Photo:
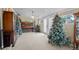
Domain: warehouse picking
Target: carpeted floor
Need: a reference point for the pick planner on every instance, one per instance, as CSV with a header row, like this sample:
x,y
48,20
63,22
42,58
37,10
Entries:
x,y
34,41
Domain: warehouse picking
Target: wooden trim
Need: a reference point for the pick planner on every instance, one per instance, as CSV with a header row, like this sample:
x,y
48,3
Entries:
x,y
74,31
76,42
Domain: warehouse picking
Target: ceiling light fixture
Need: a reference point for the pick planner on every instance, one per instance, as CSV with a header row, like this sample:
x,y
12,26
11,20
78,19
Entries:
x,y
32,14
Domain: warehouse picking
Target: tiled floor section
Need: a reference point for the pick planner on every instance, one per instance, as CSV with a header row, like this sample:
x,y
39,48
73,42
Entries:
x,y
34,41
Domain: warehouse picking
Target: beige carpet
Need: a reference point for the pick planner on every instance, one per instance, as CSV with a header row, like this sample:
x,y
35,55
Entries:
x,y
34,41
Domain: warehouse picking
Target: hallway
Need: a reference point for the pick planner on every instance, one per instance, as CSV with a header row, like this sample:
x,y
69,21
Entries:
x,y
32,23
34,41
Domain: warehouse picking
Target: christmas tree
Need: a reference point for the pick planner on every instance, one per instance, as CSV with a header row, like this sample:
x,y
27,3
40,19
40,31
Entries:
x,y
37,29
57,35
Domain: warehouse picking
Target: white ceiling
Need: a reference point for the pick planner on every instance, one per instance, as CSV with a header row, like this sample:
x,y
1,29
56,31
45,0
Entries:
x,y
38,12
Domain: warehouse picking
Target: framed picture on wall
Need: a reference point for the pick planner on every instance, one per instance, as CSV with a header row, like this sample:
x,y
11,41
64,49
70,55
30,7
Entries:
x,y
68,18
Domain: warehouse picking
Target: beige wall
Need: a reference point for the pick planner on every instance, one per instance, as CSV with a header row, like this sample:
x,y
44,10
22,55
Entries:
x,y
24,18
69,29
27,19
